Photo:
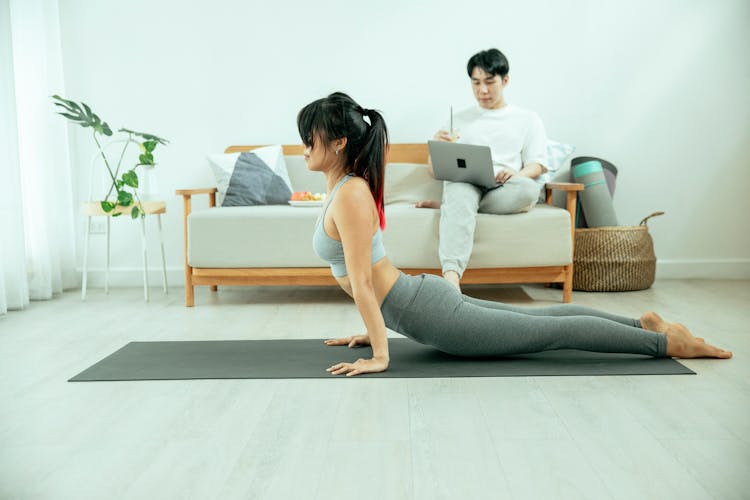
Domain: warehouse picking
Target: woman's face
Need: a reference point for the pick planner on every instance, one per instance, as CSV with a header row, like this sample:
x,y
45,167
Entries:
x,y
316,156
323,156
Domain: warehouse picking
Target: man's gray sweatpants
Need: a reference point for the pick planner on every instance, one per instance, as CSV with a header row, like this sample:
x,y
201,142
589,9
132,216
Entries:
x,y
458,214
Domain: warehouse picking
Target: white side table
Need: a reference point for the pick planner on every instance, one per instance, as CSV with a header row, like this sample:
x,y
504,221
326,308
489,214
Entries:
x,y
93,209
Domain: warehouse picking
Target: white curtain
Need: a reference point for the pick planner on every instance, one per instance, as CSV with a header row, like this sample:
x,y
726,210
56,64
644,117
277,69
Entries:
x,y
37,253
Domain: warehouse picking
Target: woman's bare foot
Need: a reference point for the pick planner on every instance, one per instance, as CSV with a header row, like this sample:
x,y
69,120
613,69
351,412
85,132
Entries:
x,y
453,279
428,204
682,344
653,322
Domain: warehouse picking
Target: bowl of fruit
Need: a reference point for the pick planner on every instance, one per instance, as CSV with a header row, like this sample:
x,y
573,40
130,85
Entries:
x,y
307,199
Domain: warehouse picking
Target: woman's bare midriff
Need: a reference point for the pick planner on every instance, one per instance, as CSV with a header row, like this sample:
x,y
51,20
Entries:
x,y
384,275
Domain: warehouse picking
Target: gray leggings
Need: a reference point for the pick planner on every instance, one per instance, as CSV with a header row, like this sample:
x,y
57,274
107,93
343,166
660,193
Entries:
x,y
429,310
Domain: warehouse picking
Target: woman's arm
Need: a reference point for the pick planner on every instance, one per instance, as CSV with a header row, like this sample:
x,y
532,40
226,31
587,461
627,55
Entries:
x,y
356,218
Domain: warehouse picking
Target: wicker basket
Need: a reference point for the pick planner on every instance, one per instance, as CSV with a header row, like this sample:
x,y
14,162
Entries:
x,y
614,259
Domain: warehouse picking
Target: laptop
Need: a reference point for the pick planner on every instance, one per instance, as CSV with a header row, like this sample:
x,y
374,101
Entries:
x,y
462,163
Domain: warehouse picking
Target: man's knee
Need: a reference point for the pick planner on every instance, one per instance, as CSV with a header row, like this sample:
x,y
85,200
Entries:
x,y
519,194
528,194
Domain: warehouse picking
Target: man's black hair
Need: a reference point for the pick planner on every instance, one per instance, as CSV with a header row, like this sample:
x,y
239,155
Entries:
x,y
492,61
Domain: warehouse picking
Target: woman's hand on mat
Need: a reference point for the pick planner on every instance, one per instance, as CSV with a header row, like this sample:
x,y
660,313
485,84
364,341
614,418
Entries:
x,y
503,175
351,341
373,365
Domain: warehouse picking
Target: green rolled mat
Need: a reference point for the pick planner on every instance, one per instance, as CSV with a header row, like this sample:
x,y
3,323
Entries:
x,y
596,201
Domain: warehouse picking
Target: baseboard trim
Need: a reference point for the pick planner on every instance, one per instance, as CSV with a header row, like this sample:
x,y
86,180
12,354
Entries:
x,y
133,276
703,269
665,269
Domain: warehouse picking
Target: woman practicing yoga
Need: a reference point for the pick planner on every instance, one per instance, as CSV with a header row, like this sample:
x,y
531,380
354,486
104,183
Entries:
x,y
348,143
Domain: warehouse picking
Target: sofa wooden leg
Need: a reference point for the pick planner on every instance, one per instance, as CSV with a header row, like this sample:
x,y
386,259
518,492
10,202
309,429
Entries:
x,y
568,286
567,293
189,288
214,288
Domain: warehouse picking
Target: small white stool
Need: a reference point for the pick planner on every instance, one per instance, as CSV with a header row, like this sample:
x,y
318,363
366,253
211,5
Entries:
x,y
94,209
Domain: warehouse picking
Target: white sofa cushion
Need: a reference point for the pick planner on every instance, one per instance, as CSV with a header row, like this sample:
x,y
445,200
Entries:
x,y
540,237
260,236
408,183
404,182
281,236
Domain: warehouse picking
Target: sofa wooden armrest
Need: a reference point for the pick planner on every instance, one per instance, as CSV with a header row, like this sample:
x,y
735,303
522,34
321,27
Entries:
x,y
563,186
190,192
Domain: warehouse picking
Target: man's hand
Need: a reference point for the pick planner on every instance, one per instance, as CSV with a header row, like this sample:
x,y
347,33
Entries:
x,y
504,174
360,366
445,136
351,341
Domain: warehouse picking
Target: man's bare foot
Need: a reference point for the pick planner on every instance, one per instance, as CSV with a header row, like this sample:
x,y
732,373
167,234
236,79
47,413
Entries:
x,y
453,279
682,344
653,322
428,204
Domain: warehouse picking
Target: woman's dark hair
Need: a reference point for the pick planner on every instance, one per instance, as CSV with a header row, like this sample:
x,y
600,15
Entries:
x,y
338,116
492,61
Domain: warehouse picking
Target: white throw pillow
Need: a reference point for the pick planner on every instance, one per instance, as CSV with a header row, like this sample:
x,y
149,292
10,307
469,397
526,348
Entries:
x,y
223,164
557,154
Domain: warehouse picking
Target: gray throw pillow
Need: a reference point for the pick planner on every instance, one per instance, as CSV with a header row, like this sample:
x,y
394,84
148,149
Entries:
x,y
254,183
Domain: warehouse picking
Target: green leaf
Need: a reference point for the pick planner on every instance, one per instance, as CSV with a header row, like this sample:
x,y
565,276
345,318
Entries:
x,y
146,159
116,214
69,116
150,145
124,198
148,137
134,213
130,178
88,111
82,115
107,206
70,105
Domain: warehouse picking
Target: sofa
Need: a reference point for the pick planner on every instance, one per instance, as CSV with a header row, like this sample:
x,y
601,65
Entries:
x,y
271,245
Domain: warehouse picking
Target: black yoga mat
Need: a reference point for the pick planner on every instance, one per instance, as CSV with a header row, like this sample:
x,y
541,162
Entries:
x,y
267,359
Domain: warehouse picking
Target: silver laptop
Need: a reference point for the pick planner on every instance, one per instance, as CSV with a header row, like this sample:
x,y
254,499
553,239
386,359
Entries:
x,y
462,163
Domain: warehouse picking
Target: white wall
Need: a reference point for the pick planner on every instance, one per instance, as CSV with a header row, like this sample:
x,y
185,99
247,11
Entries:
x,y
658,88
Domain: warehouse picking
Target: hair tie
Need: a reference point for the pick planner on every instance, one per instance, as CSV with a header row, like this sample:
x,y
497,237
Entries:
x,y
367,116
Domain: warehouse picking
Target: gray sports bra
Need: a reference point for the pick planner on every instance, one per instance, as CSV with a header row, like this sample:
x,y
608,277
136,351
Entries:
x,y
332,251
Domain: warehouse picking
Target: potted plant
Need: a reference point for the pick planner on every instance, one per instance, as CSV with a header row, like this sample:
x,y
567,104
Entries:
x,y
126,185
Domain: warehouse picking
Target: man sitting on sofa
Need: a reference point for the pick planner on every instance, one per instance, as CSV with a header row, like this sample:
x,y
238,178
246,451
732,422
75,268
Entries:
x,y
517,143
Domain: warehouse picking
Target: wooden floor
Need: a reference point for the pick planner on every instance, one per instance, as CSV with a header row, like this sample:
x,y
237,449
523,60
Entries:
x,y
629,437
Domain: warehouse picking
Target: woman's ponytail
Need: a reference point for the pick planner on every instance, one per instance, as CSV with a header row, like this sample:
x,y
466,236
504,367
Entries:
x,y
370,162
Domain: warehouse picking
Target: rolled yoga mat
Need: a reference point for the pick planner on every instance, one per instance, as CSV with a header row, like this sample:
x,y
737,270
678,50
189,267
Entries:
x,y
610,174
596,201
283,359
